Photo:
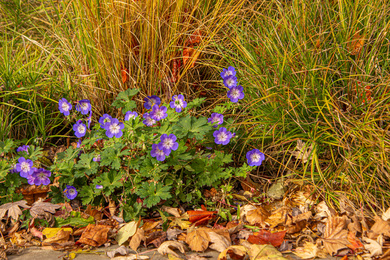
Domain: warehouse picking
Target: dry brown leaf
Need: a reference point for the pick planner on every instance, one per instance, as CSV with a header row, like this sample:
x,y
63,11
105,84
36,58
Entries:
x,y
39,208
245,209
172,233
165,248
150,224
309,250
13,209
198,240
131,257
373,246
173,211
219,242
136,239
238,251
257,216
264,252
356,44
336,235
355,226
386,215
36,233
303,151
190,55
322,211
380,227
94,235
156,238
181,222
122,250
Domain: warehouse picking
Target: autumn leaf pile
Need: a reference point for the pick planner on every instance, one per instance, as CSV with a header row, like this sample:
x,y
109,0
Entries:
x,y
296,224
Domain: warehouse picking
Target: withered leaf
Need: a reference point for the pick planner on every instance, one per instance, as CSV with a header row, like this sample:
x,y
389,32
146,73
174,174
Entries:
x,y
61,236
309,250
39,208
336,235
167,246
136,239
94,235
198,240
172,233
235,252
373,246
219,242
354,242
303,151
13,209
380,227
260,252
122,250
257,216
156,238
173,211
265,237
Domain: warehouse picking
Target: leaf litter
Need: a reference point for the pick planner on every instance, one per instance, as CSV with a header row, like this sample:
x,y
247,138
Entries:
x,y
269,227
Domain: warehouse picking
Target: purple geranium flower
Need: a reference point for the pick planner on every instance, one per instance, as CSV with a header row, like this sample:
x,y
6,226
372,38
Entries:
x,y
230,81
23,148
130,115
31,179
99,187
255,157
96,158
70,192
216,118
41,176
105,119
222,136
114,128
236,93
178,103
148,120
79,129
168,143
150,101
228,72
64,106
24,167
156,152
158,113
84,106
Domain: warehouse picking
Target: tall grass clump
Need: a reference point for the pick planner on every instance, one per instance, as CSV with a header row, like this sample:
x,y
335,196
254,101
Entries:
x,y
317,75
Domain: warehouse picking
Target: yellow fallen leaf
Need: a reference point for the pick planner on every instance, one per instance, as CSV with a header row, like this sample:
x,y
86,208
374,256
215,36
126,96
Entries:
x,y
167,246
126,232
51,232
198,240
235,250
264,252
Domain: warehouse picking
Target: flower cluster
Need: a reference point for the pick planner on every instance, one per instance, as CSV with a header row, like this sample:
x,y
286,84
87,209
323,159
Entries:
x,y
236,92
164,148
112,126
32,174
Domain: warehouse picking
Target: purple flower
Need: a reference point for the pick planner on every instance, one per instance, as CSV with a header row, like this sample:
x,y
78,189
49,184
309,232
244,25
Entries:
x,y
70,192
150,101
79,129
156,152
114,128
216,118
168,143
228,72
230,81
255,157
96,158
158,113
24,167
222,136
41,176
64,106
31,179
99,187
84,106
105,119
148,120
13,170
130,115
178,103
23,148
236,93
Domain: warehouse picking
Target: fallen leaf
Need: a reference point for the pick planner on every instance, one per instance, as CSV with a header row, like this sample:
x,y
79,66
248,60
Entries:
x,y
303,151
131,257
257,216
167,246
356,44
264,252
126,232
150,224
137,238
194,39
36,233
386,215
122,250
60,237
196,215
173,211
380,227
276,191
51,232
309,250
235,252
13,209
265,237
156,238
94,235
218,242
373,246
172,233
198,240
39,208
124,74
354,242
336,235
322,211
190,55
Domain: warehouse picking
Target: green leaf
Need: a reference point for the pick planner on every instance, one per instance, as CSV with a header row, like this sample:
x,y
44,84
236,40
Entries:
x,y
153,193
75,220
6,146
192,127
123,100
86,164
195,103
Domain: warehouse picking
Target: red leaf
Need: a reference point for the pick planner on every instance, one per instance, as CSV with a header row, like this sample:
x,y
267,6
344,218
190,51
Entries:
x,y
125,75
196,215
355,242
265,237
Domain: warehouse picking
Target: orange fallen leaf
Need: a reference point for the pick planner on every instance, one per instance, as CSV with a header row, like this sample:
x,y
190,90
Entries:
x,y
198,240
200,216
356,44
125,75
194,39
265,237
354,242
190,55
257,216
94,235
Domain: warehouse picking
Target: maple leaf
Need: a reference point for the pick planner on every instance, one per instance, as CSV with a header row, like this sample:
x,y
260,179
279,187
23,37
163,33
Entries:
x,y
336,235
39,208
219,242
380,227
13,209
373,246
165,248
198,240
309,250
